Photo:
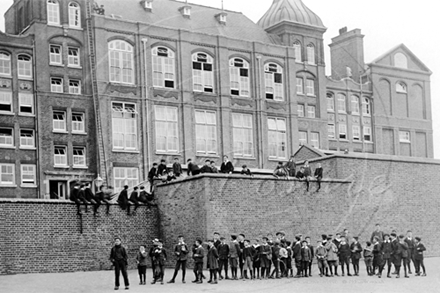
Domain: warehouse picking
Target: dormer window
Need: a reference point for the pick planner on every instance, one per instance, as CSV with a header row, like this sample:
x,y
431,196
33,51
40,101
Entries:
x,y
186,11
148,5
221,17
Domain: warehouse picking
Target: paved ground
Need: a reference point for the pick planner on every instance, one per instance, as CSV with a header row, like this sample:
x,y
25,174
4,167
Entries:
x,y
102,281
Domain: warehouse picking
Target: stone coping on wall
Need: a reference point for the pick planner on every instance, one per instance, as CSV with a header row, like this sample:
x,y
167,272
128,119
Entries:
x,y
247,177
39,201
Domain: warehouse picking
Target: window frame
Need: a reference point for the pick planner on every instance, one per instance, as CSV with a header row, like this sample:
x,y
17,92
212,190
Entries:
x,y
311,57
71,57
56,88
6,99
125,111
315,139
297,47
310,87
299,86
75,13
76,122
159,61
126,180
7,138
209,141
27,139
367,133
273,73
75,90
24,66
311,114
53,4
11,183
205,74
54,56
404,136
22,104
355,105
60,122
330,101
302,137
171,125
32,173
366,106
301,110
63,157
279,132
401,87
82,157
6,63
118,73
342,101
356,132
239,70
240,138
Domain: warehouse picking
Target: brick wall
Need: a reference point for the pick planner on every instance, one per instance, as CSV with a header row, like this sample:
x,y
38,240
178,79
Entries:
x,y
44,236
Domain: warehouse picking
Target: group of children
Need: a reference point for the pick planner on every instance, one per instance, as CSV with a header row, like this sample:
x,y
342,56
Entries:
x,y
275,258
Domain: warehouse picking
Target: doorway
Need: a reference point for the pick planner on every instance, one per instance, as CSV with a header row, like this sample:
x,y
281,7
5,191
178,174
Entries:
x,y
58,190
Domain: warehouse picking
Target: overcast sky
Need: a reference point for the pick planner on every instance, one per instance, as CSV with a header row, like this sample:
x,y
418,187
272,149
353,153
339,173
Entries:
x,y
385,24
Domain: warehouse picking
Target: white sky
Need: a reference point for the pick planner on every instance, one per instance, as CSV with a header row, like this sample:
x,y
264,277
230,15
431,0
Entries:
x,y
385,24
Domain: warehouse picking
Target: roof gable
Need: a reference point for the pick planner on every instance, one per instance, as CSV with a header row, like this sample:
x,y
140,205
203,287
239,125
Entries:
x,y
389,59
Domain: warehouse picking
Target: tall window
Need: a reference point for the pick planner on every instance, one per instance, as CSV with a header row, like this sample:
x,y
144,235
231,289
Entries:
x,y
79,157
330,103
314,139
59,121
311,54
73,57
167,129
26,103
5,63
203,75
121,62
60,156
27,139
311,111
310,87
239,74
242,135
342,126
78,123
74,15
277,138
356,132
53,12
206,132
24,64
28,175
125,176
331,129
163,67
367,133
7,174
274,82
74,87
124,122
298,53
302,137
366,107
6,137
55,54
56,85
5,102
299,86
300,110
341,103
355,105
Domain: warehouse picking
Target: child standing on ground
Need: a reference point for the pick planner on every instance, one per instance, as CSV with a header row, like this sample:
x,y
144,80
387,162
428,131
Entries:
x,y
368,258
419,248
141,259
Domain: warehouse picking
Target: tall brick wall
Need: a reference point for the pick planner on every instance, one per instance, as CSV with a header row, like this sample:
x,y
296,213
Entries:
x,y
44,236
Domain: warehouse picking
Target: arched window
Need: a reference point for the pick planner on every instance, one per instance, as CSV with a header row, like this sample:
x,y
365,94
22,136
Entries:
x,y
298,53
74,15
163,67
401,87
53,12
342,103
5,63
121,62
239,75
311,54
330,102
273,76
355,105
400,60
24,65
203,75
366,106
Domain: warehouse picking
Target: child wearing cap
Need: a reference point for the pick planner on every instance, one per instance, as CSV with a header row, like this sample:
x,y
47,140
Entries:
x,y
419,248
332,254
356,250
312,251
321,256
223,254
159,256
377,256
141,260
198,255
119,258
181,252
368,258
265,258
256,261
212,262
344,254
248,258
306,257
387,251
234,252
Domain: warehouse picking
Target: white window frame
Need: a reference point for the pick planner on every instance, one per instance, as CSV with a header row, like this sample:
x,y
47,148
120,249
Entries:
x,y
310,87
74,15
242,133
6,100
314,139
7,170
59,125
28,175
60,156
311,58
124,126
5,64
331,130
301,110
342,103
5,139
330,103
300,86
27,141
239,77
56,85
53,12
277,134
206,132
78,125
24,67
355,105
311,111
401,87
404,136
164,67
74,86
366,106
342,131
298,51
121,62
73,57
55,54
167,129
203,72
356,132
125,176
79,157
274,83
302,137
367,133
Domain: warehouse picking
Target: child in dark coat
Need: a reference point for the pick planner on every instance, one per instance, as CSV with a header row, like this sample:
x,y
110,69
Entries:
x,y
141,259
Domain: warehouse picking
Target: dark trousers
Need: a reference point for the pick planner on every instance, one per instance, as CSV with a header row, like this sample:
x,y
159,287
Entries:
x,y
355,262
121,267
107,203
223,264
158,272
276,268
198,270
319,183
96,204
78,203
419,263
345,261
180,264
142,270
305,267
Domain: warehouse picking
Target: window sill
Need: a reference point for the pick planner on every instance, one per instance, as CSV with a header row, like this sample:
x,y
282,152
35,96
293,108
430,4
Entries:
x,y
311,96
28,78
168,153
10,147
80,167
204,93
28,186
344,140
57,92
56,64
207,155
6,75
245,158
276,159
125,151
300,94
408,142
74,67
77,28
61,167
26,115
311,64
79,133
368,142
7,113
7,185
60,132
28,148
54,24
115,83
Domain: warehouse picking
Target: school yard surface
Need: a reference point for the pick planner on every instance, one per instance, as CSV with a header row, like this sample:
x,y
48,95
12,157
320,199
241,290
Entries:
x,y
102,281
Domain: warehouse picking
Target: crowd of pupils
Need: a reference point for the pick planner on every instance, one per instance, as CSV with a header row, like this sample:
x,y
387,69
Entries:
x,y
276,258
